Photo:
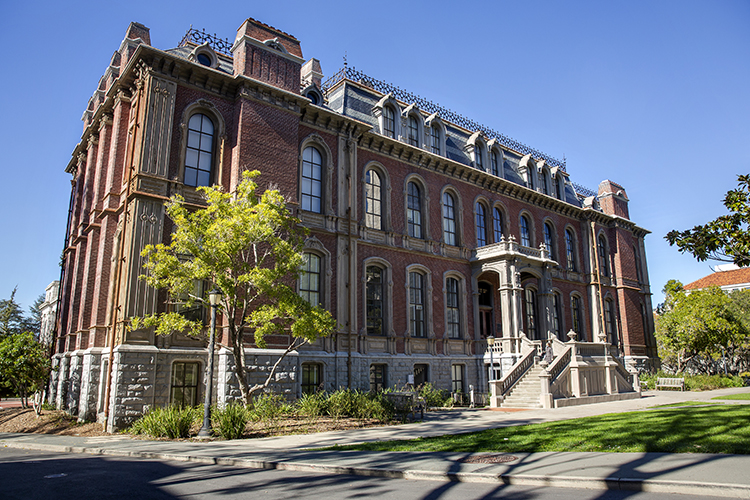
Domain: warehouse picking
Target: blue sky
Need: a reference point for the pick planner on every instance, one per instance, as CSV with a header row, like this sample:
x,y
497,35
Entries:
x,y
652,95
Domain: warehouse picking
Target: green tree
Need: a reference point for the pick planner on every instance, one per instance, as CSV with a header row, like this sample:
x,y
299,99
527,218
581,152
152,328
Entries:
x,y
696,324
24,365
250,248
726,238
12,318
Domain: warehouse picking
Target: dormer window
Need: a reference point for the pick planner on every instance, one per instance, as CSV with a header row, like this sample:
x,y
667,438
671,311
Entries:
x,y
435,136
389,122
204,59
205,56
413,131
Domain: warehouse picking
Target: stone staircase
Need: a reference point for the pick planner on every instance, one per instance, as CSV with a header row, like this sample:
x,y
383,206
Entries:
x,y
526,392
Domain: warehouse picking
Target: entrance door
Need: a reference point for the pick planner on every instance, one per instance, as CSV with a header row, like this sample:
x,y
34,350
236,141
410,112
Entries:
x,y
485,323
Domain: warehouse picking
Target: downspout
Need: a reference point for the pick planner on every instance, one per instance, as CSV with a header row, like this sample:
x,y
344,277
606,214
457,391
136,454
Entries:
x,y
349,263
598,280
120,250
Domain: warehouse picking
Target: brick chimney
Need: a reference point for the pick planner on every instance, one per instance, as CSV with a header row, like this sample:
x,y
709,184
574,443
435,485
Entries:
x,y
269,55
613,200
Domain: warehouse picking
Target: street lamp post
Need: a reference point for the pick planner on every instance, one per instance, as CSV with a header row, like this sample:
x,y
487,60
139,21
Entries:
x,y
214,297
490,343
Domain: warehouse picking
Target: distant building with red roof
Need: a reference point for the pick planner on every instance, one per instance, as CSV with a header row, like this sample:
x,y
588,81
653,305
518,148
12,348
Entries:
x,y
728,277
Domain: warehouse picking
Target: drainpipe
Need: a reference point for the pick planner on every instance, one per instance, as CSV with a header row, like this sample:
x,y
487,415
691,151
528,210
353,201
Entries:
x,y
120,250
598,279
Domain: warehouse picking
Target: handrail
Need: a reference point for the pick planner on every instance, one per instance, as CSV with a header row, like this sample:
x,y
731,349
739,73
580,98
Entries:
x,y
627,376
509,379
590,349
559,364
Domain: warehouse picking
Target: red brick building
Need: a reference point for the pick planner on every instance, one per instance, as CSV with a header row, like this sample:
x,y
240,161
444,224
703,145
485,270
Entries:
x,y
429,232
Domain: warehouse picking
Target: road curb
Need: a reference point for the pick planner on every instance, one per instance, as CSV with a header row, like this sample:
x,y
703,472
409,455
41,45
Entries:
x,y
607,483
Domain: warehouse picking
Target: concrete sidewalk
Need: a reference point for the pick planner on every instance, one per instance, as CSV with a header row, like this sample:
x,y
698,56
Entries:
x,y
702,474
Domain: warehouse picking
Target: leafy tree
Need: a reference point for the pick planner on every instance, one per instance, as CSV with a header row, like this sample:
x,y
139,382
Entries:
x,y
24,365
12,318
697,324
34,320
726,238
250,248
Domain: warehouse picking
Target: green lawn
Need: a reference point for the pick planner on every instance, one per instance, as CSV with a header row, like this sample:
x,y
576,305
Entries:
x,y
712,429
741,396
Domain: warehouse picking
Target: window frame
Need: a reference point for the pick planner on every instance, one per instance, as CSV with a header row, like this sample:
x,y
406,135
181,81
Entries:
x,y
480,224
457,382
450,224
531,310
303,275
570,250
416,303
378,371
525,231
414,210
576,316
370,286
313,181
306,385
373,200
196,385
549,239
453,316
498,219
603,251
212,155
389,119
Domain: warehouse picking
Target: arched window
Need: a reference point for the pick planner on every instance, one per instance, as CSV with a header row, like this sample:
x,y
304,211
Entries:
x,y
576,309
570,255
435,142
560,185
312,184
389,122
413,210
199,151
530,306
373,200
453,315
545,181
530,173
416,305
481,225
413,131
494,163
478,157
549,239
556,314
449,220
375,300
609,322
525,233
309,279
603,258
497,224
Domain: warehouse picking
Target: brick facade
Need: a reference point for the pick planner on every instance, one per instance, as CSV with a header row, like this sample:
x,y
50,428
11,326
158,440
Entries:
x,y
132,158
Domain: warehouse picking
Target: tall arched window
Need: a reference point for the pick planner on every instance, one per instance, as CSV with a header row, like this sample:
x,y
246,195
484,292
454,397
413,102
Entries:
x,y
570,255
559,183
416,305
312,180
435,135
530,173
478,157
453,315
576,309
481,224
413,131
549,239
556,314
309,279
389,122
449,220
413,210
497,224
494,163
609,322
603,258
373,200
525,233
375,300
530,306
545,181
199,151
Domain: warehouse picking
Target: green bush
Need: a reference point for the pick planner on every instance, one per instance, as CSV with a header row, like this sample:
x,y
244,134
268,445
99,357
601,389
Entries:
x,y
697,382
344,403
312,406
170,422
230,421
434,396
378,407
267,407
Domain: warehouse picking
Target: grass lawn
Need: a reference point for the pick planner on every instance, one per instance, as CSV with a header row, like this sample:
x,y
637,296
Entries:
x,y
698,429
743,395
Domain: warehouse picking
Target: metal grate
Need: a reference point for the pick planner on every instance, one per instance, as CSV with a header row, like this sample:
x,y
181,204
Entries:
x,y
584,190
357,76
221,45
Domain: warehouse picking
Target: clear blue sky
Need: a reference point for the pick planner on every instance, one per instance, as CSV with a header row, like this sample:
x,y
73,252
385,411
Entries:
x,y
652,95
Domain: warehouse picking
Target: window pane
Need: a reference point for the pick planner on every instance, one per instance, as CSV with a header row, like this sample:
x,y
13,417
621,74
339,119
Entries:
x,y
481,226
498,224
191,176
194,139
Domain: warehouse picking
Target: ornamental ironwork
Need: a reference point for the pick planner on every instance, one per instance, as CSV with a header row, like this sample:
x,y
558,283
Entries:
x,y
350,73
584,190
221,45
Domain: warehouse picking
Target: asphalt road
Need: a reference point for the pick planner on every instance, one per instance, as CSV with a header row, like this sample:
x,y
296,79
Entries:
x,y
30,475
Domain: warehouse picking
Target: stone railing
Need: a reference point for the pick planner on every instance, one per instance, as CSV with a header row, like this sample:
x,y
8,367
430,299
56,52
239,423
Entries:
x,y
590,349
559,364
506,383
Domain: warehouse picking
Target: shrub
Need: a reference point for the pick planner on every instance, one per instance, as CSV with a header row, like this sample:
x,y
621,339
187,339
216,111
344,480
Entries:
x,y
378,407
312,405
434,396
344,403
230,421
268,407
170,422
